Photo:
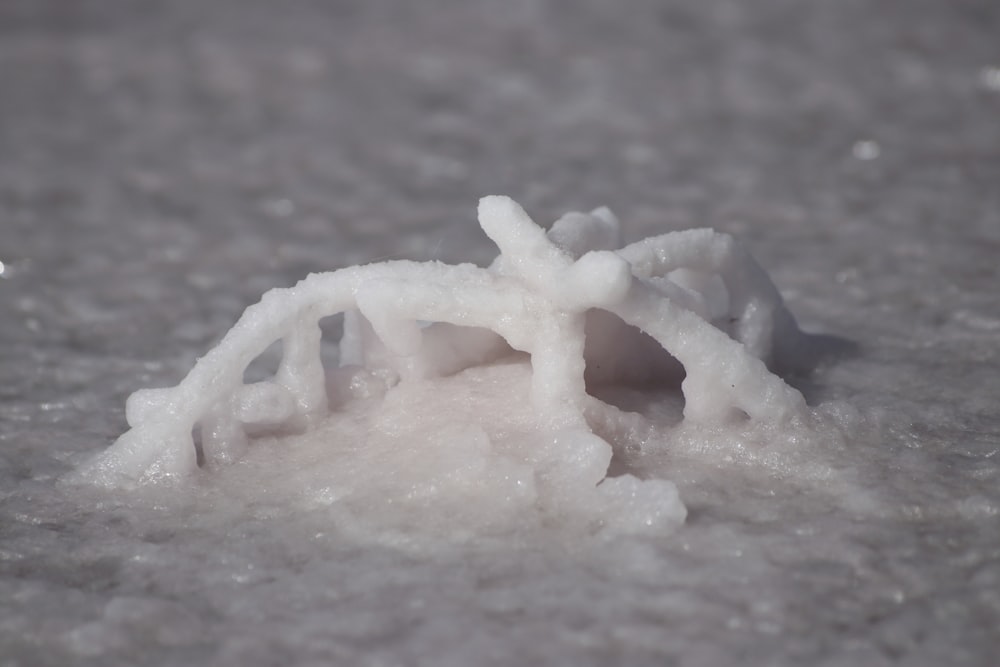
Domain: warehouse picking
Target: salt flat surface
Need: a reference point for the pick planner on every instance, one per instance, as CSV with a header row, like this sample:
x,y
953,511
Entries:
x,y
164,166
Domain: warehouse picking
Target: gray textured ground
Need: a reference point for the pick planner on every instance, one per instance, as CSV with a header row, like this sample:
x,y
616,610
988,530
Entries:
x,y
163,163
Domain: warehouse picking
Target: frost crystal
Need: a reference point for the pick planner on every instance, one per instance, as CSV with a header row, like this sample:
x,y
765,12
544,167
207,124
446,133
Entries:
x,y
569,298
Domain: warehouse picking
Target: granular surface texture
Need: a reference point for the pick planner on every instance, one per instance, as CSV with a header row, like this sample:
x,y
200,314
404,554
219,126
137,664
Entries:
x,y
165,163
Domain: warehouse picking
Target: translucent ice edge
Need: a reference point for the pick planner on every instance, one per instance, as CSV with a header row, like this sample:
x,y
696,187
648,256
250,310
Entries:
x,y
567,303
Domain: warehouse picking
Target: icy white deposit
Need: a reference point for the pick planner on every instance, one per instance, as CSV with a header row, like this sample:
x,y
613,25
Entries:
x,y
457,382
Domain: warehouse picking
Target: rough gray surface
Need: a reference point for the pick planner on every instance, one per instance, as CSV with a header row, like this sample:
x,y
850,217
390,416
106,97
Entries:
x,y
163,163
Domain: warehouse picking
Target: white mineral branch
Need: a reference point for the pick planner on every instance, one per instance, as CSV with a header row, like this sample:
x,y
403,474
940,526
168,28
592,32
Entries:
x,y
698,293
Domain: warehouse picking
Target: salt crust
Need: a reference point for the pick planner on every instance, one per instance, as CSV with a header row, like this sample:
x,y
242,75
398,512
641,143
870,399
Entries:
x,y
417,335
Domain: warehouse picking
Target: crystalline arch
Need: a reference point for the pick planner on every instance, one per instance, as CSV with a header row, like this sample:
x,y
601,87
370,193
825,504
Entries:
x,y
698,293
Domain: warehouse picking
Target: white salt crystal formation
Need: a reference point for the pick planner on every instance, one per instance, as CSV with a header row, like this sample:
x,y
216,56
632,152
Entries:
x,y
564,297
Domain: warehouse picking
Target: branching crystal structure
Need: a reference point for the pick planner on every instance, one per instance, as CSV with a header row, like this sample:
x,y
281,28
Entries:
x,y
698,293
